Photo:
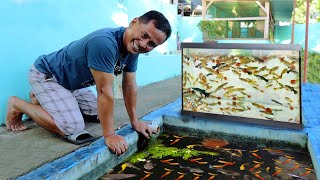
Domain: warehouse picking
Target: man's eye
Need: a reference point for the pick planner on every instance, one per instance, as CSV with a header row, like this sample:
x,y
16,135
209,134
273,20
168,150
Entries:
x,y
151,45
144,35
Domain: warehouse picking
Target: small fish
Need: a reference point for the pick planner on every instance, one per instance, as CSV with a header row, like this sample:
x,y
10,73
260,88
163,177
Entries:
x,y
268,111
306,173
261,77
181,175
193,170
298,177
226,163
292,89
123,167
193,145
220,87
258,105
274,69
197,176
254,167
288,99
228,172
194,160
167,173
242,166
258,176
218,65
293,81
245,60
230,91
276,101
269,85
214,143
149,165
258,59
295,167
285,162
283,72
236,72
201,91
212,176
257,162
277,172
267,169
262,69
148,174
129,165
175,141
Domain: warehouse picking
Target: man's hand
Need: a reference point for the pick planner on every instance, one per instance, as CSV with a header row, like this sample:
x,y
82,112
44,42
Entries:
x,y
142,128
116,143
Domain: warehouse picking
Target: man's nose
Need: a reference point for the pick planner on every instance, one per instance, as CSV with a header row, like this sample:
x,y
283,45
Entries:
x,y
144,44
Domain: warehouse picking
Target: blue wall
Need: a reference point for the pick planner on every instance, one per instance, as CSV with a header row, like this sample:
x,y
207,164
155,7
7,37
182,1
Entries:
x,y
30,28
283,35
188,29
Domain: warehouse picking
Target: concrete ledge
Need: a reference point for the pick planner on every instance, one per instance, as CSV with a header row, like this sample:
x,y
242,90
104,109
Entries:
x,y
94,160
89,162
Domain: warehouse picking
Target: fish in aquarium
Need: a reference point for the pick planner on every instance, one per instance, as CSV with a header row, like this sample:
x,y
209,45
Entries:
x,y
213,158
260,84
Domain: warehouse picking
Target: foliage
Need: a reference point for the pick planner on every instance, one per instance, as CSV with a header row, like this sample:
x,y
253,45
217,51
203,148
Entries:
x,y
156,149
313,67
213,29
300,11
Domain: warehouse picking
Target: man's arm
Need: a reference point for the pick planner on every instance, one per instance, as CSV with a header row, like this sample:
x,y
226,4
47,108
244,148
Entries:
x,y
129,87
104,83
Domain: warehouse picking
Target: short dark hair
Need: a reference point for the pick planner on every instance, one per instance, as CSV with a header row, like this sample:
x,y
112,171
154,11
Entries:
x,y
160,22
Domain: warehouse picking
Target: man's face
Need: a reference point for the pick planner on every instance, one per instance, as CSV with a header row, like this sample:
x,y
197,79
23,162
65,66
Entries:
x,y
142,38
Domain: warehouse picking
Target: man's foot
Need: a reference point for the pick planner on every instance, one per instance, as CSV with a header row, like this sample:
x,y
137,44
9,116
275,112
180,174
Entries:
x,y
14,117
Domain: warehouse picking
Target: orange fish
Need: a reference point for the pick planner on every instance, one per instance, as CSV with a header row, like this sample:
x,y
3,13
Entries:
x,y
167,173
294,168
258,176
277,172
256,155
285,162
147,175
254,167
306,173
168,161
214,143
212,176
181,176
175,141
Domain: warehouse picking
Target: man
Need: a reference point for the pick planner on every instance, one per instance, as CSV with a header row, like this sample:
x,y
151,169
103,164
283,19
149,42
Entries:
x,y
59,100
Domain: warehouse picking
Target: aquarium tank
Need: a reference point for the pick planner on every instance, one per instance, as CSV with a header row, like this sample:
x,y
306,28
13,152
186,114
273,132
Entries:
x,y
252,83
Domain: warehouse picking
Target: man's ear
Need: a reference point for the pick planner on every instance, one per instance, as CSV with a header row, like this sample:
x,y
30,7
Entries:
x,y
134,21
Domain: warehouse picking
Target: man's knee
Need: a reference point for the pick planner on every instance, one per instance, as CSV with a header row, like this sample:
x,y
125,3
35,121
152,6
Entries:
x,y
33,98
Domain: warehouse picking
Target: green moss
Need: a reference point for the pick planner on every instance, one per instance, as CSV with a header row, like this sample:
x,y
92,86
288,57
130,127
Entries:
x,y
156,149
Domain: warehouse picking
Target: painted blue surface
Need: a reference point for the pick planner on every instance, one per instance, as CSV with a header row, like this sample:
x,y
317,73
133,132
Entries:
x,y
283,35
156,67
30,28
188,29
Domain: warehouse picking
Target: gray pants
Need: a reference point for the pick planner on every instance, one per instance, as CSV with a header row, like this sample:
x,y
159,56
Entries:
x,y
63,105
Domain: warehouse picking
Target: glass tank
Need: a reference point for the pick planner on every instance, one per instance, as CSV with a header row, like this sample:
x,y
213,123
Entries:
x,y
255,83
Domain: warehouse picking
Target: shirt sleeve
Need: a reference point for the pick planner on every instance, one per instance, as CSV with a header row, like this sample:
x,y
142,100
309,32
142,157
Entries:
x,y
132,64
101,54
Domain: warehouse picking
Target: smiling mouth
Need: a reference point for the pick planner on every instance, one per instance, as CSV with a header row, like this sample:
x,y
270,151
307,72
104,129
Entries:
x,y
135,47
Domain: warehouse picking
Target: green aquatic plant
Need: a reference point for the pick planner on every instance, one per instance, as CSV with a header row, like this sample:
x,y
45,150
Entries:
x,y
156,149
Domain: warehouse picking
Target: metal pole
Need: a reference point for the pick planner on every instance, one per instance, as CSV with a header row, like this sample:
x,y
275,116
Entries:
x,y
293,21
305,62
